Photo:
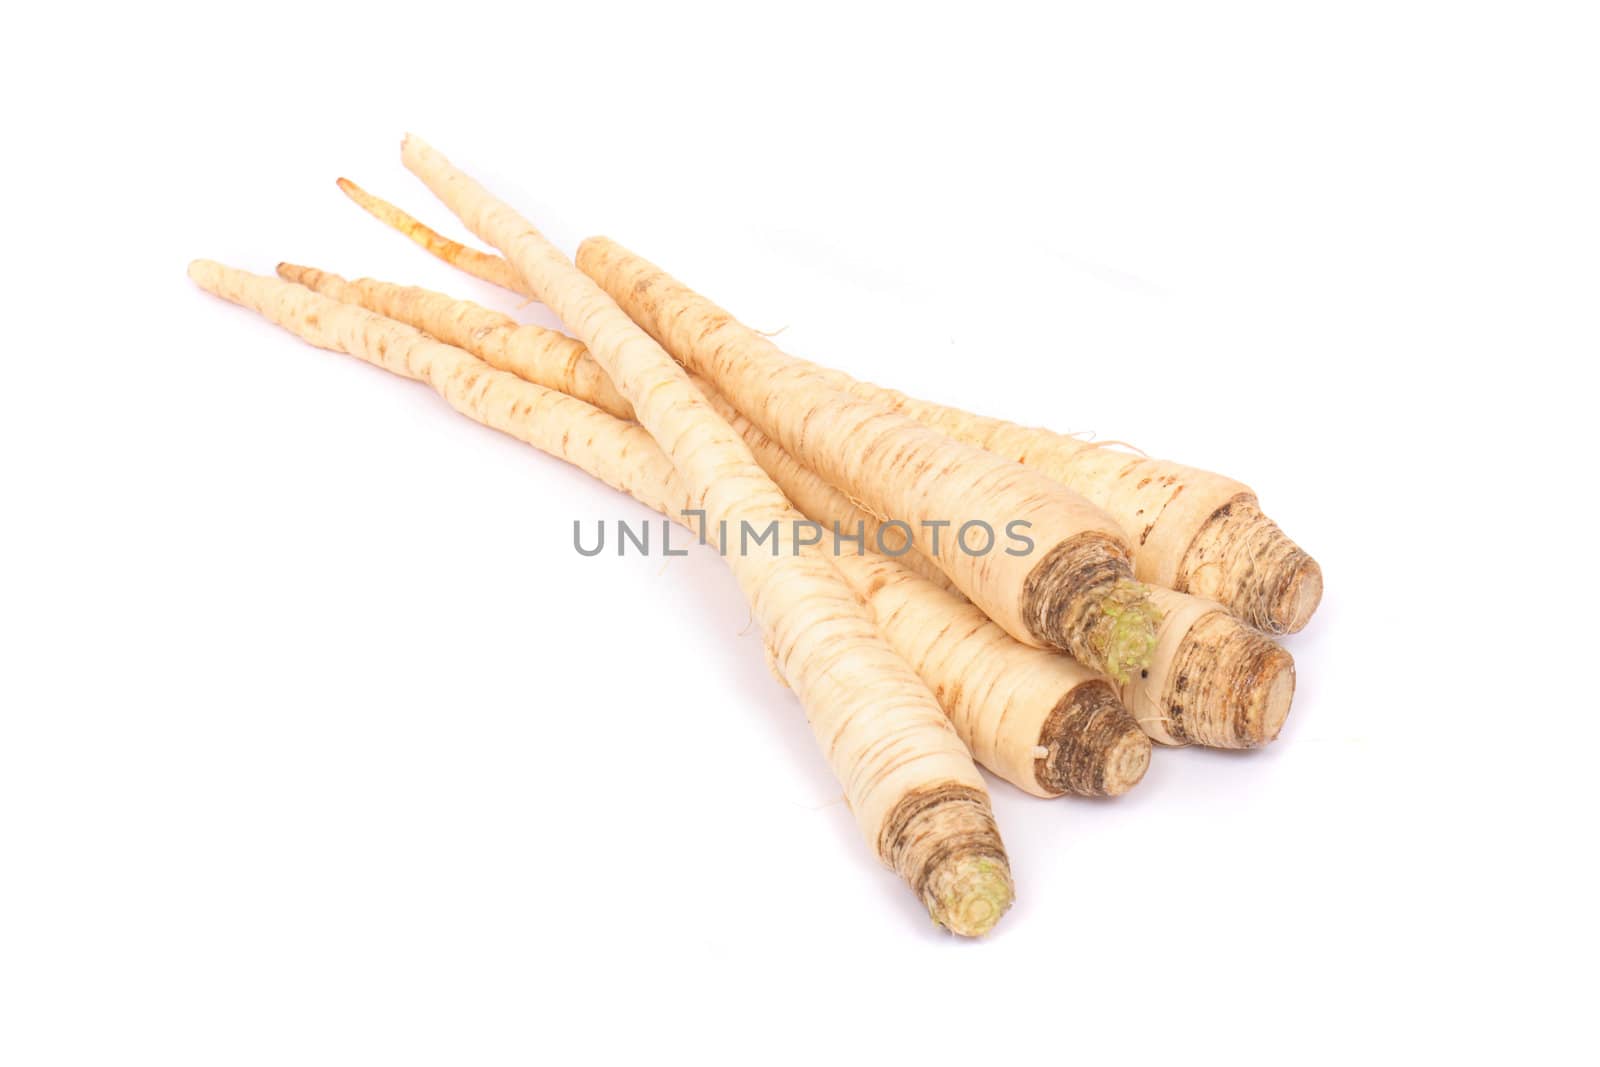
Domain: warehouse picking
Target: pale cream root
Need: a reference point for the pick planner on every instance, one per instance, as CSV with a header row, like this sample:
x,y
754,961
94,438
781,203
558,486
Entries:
x,y
1190,530
545,357
901,763
822,503
1073,591
1006,699
491,268
627,458
1211,680
1236,685
556,361
620,454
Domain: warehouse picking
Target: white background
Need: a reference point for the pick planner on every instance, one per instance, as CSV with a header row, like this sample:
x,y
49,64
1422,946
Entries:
x,y
320,744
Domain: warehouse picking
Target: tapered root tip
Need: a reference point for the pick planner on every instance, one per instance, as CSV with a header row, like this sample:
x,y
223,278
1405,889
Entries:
x,y
203,272
363,199
968,894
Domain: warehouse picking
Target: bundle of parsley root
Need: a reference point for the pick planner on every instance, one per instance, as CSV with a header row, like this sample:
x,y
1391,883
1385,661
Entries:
x,y
1139,613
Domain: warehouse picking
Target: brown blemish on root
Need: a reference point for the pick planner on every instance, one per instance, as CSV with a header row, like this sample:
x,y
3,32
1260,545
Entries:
x,y
945,844
1095,747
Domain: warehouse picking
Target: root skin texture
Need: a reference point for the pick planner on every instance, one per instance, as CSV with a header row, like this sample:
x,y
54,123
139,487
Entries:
x,y
1191,530
1215,543
882,730
626,457
1051,597
622,455
544,357
1237,684
1212,681
1006,699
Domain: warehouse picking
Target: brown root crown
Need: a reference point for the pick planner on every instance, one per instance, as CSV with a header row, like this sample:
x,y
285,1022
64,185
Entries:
x,y
944,843
1243,559
1095,748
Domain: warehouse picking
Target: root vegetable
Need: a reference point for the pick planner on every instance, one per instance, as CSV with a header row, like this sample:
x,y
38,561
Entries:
x,y
911,784
1035,718
1191,530
489,267
1074,591
545,357
556,361
1210,680
906,776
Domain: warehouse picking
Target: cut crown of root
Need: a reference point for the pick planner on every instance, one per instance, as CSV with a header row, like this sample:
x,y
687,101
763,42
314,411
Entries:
x,y
1124,635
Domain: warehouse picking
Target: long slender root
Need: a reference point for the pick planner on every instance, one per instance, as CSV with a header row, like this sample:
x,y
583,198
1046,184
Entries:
x,y
1006,700
880,726
1054,594
891,742
1236,688
489,267
1191,530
